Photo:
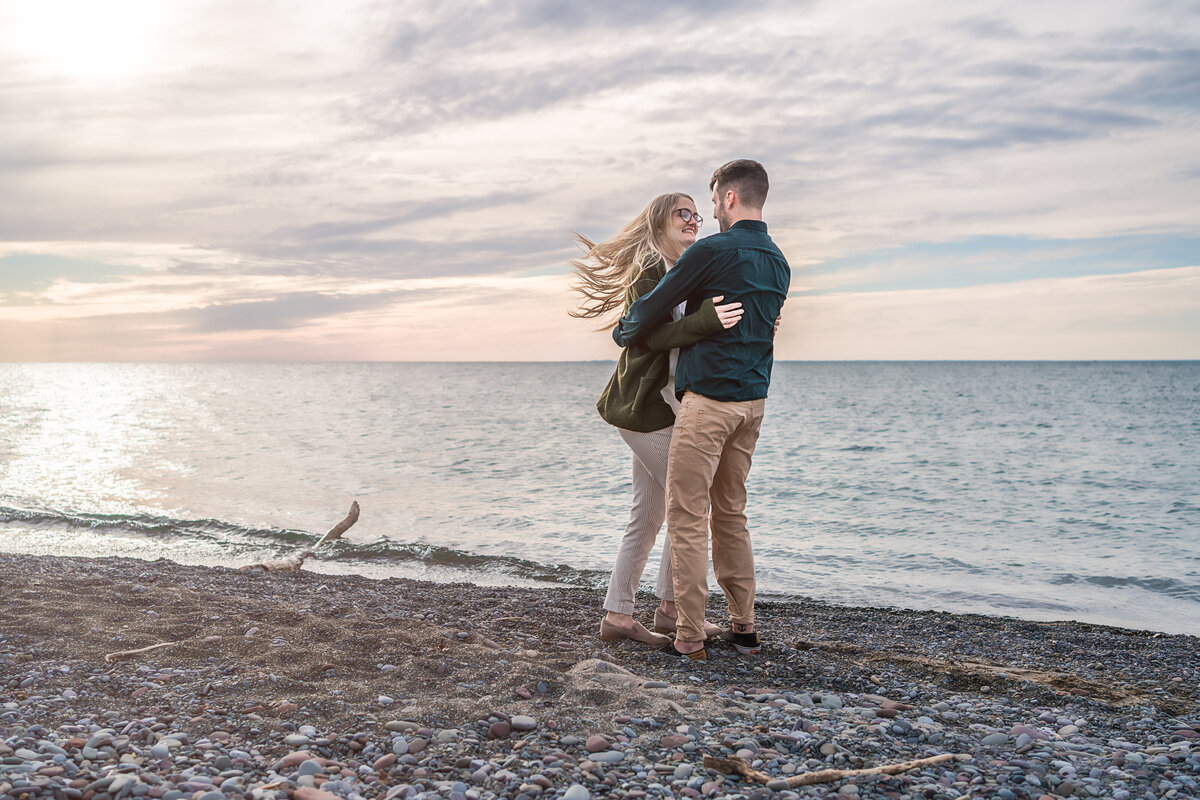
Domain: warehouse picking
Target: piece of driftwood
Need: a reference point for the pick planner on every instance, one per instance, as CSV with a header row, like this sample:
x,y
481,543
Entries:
x,y
293,563
737,766
111,657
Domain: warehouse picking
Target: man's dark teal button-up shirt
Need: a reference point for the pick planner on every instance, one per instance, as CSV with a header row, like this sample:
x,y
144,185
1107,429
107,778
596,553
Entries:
x,y
743,264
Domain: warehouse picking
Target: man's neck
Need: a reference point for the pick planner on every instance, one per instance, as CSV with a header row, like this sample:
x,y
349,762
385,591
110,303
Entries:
x,y
742,216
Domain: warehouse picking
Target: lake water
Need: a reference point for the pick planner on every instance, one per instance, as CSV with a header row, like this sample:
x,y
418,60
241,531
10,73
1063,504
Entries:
x,y
1038,490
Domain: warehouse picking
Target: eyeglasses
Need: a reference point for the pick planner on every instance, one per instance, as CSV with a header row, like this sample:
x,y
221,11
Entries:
x,y
688,215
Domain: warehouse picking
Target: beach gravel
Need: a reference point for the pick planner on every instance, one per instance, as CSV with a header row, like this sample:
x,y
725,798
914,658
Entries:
x,y
273,686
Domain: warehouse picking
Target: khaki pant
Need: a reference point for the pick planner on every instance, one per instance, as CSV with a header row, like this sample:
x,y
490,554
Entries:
x,y
710,456
650,452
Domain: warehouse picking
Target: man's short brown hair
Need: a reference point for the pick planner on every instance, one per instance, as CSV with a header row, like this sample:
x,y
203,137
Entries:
x,y
746,177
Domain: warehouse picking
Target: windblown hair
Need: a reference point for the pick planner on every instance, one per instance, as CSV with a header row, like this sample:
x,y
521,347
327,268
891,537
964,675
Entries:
x,y
747,178
607,269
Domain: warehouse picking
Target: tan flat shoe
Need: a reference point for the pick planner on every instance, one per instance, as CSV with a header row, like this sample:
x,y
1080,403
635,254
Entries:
x,y
665,624
637,633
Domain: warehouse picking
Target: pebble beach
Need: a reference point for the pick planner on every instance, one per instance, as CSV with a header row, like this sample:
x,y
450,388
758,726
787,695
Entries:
x,y
317,687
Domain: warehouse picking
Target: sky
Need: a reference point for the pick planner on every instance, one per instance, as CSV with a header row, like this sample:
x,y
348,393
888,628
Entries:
x,y
311,180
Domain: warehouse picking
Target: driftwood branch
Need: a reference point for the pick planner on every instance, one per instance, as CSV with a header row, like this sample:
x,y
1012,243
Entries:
x,y
337,530
293,563
111,657
737,766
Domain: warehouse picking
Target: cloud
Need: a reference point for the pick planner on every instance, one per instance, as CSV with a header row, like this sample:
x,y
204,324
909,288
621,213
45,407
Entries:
x,y
1143,315
991,260
26,272
287,311
1136,315
340,144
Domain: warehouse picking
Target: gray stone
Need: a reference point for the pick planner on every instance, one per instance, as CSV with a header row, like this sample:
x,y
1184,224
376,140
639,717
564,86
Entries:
x,y
576,792
121,783
400,726
994,739
309,767
523,723
609,757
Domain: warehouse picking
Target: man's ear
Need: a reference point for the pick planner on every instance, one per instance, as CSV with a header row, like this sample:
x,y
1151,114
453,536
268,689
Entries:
x,y
730,199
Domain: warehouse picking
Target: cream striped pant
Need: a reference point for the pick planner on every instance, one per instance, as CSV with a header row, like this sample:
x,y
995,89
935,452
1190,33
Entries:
x,y
646,518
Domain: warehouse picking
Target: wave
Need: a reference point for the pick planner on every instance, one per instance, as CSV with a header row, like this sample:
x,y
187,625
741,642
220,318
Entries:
x,y
1165,586
389,550
245,540
213,530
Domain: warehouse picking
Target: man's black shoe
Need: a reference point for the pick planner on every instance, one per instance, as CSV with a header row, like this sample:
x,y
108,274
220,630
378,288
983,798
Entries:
x,y
745,643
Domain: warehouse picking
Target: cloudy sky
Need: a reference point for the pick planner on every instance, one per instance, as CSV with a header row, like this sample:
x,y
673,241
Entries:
x,y
400,180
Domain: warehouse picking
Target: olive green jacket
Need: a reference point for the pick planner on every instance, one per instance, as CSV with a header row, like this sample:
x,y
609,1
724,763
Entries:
x,y
633,398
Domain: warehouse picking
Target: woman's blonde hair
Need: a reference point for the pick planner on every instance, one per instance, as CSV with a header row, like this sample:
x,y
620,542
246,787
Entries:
x,y
606,270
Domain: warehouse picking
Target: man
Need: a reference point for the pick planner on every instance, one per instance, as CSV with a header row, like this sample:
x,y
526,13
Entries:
x,y
722,382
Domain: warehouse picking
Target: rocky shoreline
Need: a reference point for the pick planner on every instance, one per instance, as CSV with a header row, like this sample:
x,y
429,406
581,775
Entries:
x,y
321,687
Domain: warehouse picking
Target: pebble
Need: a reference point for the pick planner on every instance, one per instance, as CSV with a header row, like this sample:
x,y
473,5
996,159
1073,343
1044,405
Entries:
x,y
576,792
400,726
213,725
596,743
608,757
293,759
309,793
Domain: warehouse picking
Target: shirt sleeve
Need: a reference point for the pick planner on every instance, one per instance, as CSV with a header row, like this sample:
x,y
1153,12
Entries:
x,y
688,330
655,307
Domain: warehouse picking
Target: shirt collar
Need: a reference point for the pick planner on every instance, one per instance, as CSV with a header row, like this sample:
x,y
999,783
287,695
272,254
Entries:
x,y
750,224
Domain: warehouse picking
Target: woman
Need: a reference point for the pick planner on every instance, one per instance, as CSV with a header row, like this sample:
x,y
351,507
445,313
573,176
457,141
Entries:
x,y
640,397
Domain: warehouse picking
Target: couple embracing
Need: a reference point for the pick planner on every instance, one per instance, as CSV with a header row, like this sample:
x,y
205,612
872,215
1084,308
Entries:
x,y
697,327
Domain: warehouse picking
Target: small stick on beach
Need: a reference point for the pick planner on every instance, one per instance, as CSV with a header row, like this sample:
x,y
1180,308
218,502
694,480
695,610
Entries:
x,y
111,657
736,766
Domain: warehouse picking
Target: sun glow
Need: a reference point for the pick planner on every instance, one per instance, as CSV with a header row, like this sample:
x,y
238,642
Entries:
x,y
80,39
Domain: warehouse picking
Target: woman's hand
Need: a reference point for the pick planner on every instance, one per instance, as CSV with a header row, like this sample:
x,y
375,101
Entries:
x,y
730,313
777,321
